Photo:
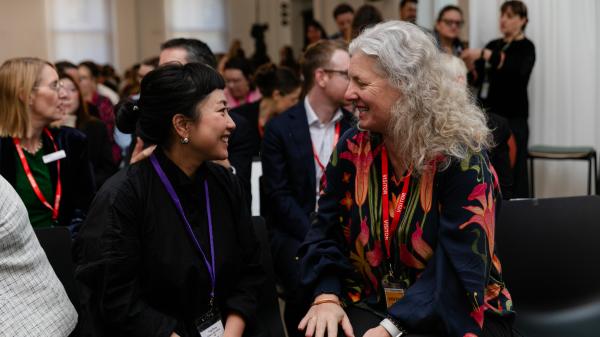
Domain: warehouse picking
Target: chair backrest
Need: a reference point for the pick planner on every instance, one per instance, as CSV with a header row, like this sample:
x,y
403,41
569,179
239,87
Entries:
x,y
268,307
550,255
56,243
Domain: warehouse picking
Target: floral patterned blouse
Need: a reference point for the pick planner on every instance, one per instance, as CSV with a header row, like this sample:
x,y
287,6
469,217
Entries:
x,y
442,250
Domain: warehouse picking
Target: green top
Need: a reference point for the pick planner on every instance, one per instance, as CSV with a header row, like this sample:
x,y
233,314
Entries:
x,y
39,215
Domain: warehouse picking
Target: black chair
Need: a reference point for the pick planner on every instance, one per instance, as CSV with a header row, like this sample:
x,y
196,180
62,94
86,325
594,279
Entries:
x,y
550,254
56,243
268,307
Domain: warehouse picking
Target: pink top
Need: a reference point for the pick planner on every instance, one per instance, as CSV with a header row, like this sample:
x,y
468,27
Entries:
x,y
253,96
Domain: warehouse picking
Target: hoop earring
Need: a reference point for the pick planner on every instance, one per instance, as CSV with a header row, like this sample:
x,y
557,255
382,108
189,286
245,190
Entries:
x,y
185,140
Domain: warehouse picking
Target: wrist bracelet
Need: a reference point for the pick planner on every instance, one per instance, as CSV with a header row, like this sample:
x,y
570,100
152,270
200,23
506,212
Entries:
x,y
328,300
392,328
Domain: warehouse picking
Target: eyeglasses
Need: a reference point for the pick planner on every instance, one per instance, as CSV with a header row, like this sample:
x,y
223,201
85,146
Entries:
x,y
457,23
56,86
343,73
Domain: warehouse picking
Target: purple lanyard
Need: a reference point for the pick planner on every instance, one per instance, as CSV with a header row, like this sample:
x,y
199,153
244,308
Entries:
x,y
175,198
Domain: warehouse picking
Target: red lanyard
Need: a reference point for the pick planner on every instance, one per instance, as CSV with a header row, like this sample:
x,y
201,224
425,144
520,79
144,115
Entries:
x,y
32,181
385,200
336,137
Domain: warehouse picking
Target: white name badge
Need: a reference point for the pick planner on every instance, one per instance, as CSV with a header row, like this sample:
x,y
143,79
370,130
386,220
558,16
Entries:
x,y
215,330
54,156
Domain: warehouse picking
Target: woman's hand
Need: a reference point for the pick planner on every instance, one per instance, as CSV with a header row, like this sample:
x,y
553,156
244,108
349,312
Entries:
x,y
174,335
323,319
379,331
139,153
234,326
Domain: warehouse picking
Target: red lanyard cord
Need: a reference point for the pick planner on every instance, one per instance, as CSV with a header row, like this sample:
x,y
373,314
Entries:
x,y
385,216
33,183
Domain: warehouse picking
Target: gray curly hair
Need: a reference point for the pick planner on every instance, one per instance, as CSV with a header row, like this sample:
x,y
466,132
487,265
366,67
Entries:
x,y
434,115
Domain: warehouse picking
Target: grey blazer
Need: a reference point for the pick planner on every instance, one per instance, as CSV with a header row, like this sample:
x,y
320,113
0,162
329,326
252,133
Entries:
x,y
33,302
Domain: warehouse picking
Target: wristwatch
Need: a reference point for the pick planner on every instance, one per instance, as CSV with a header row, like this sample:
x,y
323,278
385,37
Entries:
x,y
392,328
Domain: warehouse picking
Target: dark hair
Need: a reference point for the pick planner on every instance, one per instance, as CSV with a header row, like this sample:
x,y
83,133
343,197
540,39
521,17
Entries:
x,y
287,59
166,91
404,2
517,7
197,51
342,8
92,67
317,26
269,78
83,111
318,55
62,66
447,9
366,16
152,61
242,64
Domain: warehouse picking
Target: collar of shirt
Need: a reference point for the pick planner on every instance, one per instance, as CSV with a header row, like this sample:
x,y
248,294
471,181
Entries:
x,y
313,119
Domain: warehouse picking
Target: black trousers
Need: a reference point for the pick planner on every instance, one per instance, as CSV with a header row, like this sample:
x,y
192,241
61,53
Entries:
x,y
520,130
284,249
363,320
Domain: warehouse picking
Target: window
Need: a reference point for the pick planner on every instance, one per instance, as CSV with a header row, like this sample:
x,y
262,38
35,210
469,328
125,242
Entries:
x,y
80,30
201,19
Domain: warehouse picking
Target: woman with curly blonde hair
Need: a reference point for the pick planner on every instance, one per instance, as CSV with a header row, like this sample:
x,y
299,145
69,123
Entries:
x,y
404,235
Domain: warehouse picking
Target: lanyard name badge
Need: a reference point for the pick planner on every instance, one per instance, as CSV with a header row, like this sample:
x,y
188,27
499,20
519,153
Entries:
x,y
34,185
209,324
393,287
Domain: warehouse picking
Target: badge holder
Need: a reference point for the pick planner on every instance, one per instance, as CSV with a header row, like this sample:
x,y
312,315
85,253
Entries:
x,y
210,324
394,290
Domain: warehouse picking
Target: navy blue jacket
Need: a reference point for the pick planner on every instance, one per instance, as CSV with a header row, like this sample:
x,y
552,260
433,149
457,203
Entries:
x,y
289,171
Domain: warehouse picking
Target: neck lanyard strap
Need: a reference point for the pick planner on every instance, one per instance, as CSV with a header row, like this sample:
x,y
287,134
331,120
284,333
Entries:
x,y
34,184
400,203
336,137
209,266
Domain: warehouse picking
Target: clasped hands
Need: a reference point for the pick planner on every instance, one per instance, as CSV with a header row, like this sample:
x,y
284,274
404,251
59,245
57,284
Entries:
x,y
326,314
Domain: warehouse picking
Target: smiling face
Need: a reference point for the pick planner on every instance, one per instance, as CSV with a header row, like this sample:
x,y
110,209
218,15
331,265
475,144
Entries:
x,y
371,93
46,98
209,133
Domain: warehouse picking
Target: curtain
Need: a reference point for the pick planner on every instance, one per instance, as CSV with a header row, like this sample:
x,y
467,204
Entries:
x,y
564,90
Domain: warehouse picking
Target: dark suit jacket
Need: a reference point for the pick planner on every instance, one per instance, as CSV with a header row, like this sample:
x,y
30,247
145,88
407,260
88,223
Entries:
x,y
241,151
75,171
289,171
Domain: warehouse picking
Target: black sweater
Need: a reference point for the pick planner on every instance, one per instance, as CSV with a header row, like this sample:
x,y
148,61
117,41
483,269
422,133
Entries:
x,y
141,273
507,94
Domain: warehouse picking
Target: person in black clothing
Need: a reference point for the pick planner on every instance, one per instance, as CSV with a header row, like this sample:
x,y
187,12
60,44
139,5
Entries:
x,y
77,115
280,89
184,51
502,71
168,247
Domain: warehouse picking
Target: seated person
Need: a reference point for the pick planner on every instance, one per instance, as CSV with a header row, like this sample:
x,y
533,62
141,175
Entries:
x,y
404,234
162,252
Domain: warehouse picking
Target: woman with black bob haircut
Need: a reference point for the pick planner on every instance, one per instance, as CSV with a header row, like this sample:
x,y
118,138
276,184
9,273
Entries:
x,y
168,248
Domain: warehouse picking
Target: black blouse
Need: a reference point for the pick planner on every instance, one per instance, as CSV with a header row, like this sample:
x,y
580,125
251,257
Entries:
x,y
141,273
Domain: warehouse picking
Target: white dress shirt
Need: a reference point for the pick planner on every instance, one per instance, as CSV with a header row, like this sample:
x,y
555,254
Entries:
x,y
322,136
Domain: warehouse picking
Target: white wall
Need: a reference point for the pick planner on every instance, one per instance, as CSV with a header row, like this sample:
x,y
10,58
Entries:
x,y
564,90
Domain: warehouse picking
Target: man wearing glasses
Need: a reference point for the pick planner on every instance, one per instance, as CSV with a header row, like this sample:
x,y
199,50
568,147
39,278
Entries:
x,y
296,149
